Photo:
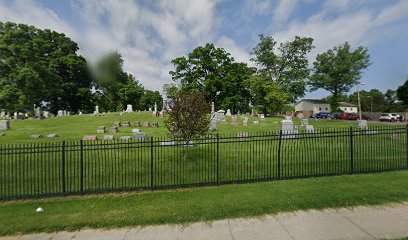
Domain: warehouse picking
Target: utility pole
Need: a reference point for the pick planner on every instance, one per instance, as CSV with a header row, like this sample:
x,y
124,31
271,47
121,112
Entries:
x,y
358,98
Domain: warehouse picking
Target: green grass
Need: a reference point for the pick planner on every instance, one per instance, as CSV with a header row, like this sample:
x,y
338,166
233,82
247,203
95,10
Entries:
x,y
202,204
75,127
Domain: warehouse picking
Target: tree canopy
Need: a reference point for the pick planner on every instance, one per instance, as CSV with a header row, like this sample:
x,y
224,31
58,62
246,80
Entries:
x,y
40,66
337,70
402,93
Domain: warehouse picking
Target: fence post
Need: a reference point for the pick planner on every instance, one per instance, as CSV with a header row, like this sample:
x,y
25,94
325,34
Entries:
x,y
151,163
82,167
63,168
218,160
351,151
279,153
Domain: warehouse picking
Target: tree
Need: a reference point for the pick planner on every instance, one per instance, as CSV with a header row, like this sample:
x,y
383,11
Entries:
x,y
402,93
338,69
38,66
286,65
215,73
189,116
131,93
149,98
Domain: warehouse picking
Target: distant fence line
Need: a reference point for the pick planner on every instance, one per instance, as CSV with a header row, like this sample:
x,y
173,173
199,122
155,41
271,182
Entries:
x,y
79,167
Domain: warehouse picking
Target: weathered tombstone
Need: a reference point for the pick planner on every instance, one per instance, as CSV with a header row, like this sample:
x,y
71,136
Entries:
x,y
139,136
135,130
243,134
252,112
100,131
289,118
4,124
60,113
228,113
221,115
168,143
362,124
20,116
65,113
126,124
262,116
234,120
117,124
114,129
46,114
138,124
213,122
129,108
309,129
79,113
150,109
2,134
3,114
239,113
108,138
126,138
212,107
89,138
245,122
52,135
146,124
96,110
305,122
36,136
189,144
287,126
256,122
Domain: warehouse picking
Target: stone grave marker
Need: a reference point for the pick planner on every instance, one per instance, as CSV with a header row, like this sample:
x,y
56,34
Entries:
x,y
117,124
256,122
2,134
228,112
96,110
129,108
139,136
213,122
262,116
4,124
243,134
52,135
138,124
245,122
305,122
146,124
114,129
126,138
156,124
126,124
60,113
234,120
168,143
309,129
362,124
36,136
101,129
287,126
108,138
135,130
89,138
221,115
20,116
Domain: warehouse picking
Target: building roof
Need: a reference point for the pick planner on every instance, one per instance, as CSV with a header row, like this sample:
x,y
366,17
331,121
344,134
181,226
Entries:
x,y
316,101
345,104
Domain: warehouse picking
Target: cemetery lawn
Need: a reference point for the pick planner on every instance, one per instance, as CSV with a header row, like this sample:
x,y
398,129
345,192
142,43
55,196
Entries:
x,y
201,204
75,127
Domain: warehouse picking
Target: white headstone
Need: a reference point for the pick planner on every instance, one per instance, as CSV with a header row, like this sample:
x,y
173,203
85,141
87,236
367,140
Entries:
x,y
4,124
96,110
262,116
155,107
139,136
135,130
129,108
221,115
213,122
362,124
256,122
309,129
228,113
287,126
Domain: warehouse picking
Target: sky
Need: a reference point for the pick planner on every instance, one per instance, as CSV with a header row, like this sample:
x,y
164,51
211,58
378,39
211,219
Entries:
x,y
149,34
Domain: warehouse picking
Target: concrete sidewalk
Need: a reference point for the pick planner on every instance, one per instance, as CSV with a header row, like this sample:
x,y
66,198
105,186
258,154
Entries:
x,y
380,222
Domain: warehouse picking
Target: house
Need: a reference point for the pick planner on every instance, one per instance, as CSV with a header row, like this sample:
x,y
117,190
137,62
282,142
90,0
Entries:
x,y
311,106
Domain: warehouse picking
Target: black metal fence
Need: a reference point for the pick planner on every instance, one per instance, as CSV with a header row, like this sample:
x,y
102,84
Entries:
x,y
62,168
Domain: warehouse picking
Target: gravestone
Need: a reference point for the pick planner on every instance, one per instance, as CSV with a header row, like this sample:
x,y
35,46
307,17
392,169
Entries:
x,y
117,124
100,131
146,124
108,138
89,138
52,135
228,113
234,120
36,136
262,116
114,129
46,114
156,124
60,113
189,144
129,108
135,130
243,134
287,126
4,124
139,136
20,116
96,110
126,124
3,114
212,107
256,122
252,112
168,143
245,122
2,134
138,124
362,124
305,122
213,122
221,115
309,129
126,138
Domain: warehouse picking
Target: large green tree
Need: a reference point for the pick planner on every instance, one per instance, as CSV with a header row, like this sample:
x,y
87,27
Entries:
x,y
402,93
285,64
338,70
214,72
149,98
40,66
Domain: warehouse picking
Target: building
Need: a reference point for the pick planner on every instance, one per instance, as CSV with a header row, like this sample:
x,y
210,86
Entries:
x,y
310,106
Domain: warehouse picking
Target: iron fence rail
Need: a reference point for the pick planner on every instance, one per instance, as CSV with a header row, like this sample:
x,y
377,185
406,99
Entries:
x,y
78,167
